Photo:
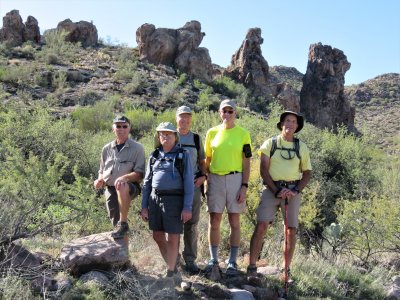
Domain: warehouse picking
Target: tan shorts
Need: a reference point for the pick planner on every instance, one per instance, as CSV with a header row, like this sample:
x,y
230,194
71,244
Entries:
x,y
269,205
223,191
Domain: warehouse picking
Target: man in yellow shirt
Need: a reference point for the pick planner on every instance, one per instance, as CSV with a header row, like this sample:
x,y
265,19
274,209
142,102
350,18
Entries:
x,y
285,173
228,152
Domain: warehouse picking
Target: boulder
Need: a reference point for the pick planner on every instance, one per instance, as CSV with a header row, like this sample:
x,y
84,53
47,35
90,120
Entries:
x,y
15,32
96,251
394,291
248,65
321,98
83,32
16,256
177,48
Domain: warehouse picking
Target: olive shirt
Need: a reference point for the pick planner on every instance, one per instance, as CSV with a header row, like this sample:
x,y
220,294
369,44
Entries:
x,y
225,147
114,163
286,169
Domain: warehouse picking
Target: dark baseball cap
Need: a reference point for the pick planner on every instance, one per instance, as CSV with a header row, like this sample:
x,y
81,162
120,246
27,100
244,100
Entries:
x,y
121,119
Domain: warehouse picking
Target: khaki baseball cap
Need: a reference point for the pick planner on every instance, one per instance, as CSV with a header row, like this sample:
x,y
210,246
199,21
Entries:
x,y
227,102
183,110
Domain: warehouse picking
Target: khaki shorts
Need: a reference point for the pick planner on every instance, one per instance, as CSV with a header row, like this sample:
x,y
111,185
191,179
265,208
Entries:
x,y
269,205
222,191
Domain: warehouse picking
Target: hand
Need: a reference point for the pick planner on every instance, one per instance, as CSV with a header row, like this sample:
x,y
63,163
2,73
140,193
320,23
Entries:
x,y
199,181
119,182
186,216
145,214
99,183
286,193
242,194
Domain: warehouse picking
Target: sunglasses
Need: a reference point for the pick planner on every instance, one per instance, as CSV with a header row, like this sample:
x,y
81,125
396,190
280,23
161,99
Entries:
x,y
228,112
121,126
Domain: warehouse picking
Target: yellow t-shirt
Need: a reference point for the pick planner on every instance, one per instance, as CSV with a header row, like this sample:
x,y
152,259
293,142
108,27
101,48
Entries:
x,y
286,169
225,147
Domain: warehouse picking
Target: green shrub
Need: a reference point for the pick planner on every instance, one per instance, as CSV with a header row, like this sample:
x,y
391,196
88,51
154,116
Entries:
x,y
227,86
94,118
370,227
56,50
137,84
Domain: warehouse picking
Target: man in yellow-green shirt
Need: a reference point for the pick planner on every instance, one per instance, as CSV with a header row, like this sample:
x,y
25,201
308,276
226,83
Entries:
x,y
285,173
228,152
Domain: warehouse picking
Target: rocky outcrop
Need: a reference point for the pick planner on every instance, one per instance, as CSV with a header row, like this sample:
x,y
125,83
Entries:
x,y
248,66
97,251
322,98
176,47
83,32
15,32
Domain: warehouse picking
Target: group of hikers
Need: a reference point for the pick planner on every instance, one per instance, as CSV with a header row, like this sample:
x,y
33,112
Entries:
x,y
181,166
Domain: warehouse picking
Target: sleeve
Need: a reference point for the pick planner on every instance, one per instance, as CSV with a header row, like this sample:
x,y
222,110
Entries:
x,y
188,183
102,160
265,148
305,157
207,146
146,191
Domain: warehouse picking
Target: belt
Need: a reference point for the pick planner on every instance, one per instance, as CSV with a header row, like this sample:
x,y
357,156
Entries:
x,y
286,183
175,192
233,172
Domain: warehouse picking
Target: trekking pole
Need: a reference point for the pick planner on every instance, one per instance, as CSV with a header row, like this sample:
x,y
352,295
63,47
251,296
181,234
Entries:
x,y
286,254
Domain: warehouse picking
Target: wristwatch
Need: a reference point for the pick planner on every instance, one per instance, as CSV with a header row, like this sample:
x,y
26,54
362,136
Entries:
x,y
245,184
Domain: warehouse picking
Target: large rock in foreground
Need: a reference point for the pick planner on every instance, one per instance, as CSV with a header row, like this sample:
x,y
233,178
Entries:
x,y
96,251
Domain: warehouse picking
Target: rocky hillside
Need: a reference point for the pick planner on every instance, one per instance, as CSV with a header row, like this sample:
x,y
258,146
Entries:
x,y
377,104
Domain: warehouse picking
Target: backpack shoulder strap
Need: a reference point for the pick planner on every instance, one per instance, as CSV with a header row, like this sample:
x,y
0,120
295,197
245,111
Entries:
x,y
297,147
153,159
179,161
273,146
196,138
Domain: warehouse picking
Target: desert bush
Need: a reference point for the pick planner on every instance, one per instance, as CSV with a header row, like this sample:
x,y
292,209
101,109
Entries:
x,y
18,75
227,86
208,100
170,93
126,70
56,50
89,97
94,118
14,287
370,227
137,84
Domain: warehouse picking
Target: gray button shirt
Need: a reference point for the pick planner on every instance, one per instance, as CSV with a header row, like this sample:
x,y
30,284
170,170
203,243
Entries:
x,y
113,164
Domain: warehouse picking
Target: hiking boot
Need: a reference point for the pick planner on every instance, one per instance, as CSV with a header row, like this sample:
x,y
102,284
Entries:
x,y
175,275
252,270
120,230
211,263
192,267
232,269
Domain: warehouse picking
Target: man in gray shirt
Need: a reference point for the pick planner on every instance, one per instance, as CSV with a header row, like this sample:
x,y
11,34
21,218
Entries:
x,y
122,166
192,143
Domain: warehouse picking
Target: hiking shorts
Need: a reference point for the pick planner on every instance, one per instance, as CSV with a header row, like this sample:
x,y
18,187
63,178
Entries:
x,y
223,191
165,213
112,200
269,206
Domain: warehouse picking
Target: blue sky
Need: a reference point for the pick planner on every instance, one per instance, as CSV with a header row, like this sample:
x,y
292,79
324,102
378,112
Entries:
x,y
368,31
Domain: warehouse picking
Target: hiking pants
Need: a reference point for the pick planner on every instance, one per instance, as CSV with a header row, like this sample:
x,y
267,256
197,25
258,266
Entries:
x,y
190,231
